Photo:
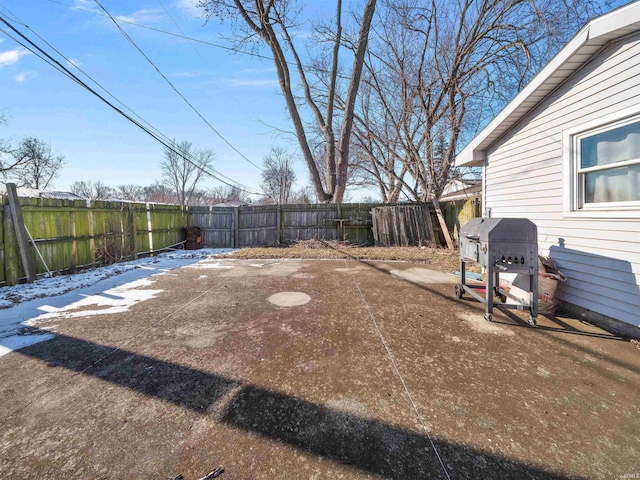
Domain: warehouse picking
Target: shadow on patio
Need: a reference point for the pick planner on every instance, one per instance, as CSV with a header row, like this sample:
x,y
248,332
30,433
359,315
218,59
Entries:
x,y
365,444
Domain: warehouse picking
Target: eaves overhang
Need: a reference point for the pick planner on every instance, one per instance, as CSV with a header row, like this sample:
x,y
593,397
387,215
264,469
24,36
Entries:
x,y
587,43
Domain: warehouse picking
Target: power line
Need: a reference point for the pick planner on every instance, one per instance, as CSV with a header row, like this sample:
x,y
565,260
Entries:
x,y
165,32
182,32
168,144
70,62
126,35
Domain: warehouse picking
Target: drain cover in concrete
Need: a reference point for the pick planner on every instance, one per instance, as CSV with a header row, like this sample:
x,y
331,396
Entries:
x,y
289,299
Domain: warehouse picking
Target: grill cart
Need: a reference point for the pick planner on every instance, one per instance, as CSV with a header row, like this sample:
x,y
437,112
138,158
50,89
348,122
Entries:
x,y
500,245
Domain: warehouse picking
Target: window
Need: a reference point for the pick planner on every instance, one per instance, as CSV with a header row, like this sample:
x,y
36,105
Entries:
x,y
607,166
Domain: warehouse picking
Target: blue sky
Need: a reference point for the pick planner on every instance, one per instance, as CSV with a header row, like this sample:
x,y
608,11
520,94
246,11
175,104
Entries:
x,y
236,93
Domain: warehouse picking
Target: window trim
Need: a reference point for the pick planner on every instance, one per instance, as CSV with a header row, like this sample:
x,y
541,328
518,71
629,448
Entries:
x,y
572,189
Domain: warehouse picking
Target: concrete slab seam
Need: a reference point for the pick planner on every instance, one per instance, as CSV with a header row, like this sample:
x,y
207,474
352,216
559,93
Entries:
x,y
397,371
115,350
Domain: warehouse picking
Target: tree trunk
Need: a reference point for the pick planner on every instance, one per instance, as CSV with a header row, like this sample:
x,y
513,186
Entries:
x,y
347,121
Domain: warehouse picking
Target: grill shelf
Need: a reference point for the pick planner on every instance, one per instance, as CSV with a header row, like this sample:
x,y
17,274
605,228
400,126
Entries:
x,y
500,245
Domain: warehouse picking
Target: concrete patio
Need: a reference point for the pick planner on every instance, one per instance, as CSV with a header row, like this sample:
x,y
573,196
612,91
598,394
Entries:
x,y
315,369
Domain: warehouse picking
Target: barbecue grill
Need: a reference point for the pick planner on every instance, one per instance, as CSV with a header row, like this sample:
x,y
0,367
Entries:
x,y
500,245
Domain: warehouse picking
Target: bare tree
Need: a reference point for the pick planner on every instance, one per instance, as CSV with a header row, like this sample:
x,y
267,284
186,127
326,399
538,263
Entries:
x,y
278,177
7,161
273,22
226,193
304,195
437,71
34,166
369,199
92,191
183,168
159,193
130,192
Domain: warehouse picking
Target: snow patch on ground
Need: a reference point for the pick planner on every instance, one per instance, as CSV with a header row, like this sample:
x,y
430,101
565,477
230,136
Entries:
x,y
103,290
210,266
113,300
9,344
201,254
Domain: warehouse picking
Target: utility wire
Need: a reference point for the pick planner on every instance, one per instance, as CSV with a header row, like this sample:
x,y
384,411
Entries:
x,y
65,72
165,32
126,35
168,144
70,62
182,32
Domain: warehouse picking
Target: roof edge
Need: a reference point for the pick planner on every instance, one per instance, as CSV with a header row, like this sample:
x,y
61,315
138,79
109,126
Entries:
x,y
474,154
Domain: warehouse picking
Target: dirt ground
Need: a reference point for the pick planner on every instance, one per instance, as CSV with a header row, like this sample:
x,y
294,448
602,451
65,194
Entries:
x,y
437,258
317,369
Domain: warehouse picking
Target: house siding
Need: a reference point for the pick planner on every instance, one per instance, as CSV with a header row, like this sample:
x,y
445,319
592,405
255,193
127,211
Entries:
x,y
524,178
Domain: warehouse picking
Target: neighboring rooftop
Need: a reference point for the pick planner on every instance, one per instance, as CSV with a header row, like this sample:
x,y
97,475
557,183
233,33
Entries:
x,y
33,193
231,203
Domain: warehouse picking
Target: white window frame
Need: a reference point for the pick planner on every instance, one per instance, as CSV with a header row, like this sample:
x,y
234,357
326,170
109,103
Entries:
x,y
572,186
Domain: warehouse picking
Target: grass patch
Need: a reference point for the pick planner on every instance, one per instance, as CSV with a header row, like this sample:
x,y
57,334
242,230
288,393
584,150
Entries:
x,y
438,258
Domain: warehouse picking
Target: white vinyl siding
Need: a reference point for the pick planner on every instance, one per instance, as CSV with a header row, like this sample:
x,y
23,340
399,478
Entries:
x,y
524,177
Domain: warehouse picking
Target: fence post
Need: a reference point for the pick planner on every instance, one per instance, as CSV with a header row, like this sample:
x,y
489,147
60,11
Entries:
x,y
443,223
279,224
134,231
236,227
12,265
149,229
28,262
92,240
74,243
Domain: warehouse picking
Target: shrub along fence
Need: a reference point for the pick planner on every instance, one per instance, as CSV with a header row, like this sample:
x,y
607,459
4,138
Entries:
x,y
73,234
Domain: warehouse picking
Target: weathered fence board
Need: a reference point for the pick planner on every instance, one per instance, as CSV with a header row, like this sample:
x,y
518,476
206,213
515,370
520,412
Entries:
x,y
299,222
216,224
263,225
459,212
71,234
403,225
2,250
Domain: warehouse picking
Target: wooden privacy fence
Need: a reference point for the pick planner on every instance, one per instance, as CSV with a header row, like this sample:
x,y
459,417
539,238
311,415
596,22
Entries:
x,y
459,212
71,234
404,225
250,226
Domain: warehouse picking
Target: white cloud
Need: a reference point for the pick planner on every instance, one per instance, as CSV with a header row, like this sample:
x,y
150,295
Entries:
x,y
189,7
193,74
253,71
88,5
253,83
145,15
74,63
10,57
23,76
